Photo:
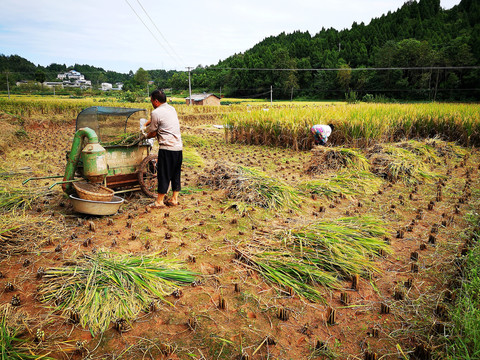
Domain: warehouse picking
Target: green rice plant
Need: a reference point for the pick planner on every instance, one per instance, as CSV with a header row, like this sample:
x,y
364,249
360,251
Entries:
x,y
348,183
12,199
193,140
318,254
282,268
102,289
191,158
446,149
12,346
124,139
422,150
342,245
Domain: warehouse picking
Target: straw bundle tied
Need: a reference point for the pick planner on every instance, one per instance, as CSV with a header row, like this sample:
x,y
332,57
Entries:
x,y
319,253
102,289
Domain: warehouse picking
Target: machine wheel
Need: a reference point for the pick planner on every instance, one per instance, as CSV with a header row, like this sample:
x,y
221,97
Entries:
x,y
147,175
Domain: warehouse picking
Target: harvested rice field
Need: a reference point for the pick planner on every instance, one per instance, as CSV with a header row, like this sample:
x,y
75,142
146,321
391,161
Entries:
x,y
350,251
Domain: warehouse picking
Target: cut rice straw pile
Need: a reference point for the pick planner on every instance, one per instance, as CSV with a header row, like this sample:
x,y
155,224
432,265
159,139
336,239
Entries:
x,y
348,183
16,199
12,328
336,158
103,289
251,186
400,164
318,254
23,233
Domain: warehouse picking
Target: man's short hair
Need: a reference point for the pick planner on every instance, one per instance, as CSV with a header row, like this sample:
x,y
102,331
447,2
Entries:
x,y
159,95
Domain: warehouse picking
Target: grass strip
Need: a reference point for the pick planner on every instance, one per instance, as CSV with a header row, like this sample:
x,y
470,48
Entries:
x,y
464,343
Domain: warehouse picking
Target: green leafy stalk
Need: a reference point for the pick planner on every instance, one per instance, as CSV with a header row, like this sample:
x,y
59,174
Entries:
x,y
102,289
319,254
347,183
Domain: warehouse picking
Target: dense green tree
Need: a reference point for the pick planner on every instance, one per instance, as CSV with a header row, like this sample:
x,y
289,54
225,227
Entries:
x,y
40,76
421,51
142,77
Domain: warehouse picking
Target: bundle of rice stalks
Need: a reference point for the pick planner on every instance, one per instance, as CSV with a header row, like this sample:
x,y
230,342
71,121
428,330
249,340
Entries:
x,y
193,141
12,199
250,186
103,289
318,254
421,149
12,327
127,139
397,164
348,183
191,158
446,149
22,234
342,245
335,158
283,268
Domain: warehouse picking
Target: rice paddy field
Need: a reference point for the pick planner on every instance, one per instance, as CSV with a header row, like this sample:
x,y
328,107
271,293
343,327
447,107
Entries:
x,y
278,250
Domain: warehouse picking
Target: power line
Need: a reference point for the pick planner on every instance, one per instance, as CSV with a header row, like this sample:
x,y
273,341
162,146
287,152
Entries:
x,y
163,37
298,69
351,69
150,31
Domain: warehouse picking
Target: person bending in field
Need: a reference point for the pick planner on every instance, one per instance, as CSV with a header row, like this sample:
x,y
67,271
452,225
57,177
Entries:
x,y
166,128
321,133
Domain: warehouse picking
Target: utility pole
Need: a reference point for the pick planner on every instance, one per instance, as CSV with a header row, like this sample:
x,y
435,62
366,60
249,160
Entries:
x,y
271,95
189,84
8,86
220,92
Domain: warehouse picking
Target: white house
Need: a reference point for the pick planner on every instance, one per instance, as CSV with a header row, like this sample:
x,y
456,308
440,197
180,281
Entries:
x,y
106,86
71,75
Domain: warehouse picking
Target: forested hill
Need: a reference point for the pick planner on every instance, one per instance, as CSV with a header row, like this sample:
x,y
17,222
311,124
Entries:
x,y
419,34
419,52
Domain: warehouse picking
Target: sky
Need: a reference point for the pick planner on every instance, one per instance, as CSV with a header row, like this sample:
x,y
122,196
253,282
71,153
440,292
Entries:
x,y
124,35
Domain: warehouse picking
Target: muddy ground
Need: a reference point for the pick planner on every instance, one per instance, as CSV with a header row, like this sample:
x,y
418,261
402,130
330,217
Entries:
x,y
415,284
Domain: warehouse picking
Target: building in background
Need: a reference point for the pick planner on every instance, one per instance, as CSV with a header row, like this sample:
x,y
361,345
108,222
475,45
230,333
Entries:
x,y
203,99
73,78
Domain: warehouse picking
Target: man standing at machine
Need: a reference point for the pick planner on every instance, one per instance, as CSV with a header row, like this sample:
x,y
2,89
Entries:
x,y
165,127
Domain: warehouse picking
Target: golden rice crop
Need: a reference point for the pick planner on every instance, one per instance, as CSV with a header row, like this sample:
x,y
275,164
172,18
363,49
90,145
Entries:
x,y
357,125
